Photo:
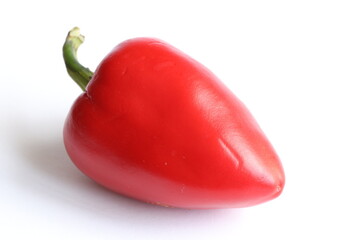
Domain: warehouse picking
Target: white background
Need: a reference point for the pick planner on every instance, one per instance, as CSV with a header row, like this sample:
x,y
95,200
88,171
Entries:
x,y
295,64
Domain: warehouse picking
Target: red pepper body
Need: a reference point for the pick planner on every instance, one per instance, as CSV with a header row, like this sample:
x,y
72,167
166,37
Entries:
x,y
156,125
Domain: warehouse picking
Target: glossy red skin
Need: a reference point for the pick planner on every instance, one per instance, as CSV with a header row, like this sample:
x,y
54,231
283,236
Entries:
x,y
156,125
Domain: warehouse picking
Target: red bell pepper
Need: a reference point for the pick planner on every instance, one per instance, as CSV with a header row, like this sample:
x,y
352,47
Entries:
x,y
156,125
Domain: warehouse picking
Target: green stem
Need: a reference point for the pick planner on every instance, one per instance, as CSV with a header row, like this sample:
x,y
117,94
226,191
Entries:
x,y
80,74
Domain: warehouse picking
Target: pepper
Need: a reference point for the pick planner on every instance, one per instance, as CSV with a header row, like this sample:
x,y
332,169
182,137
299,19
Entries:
x,y
156,125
